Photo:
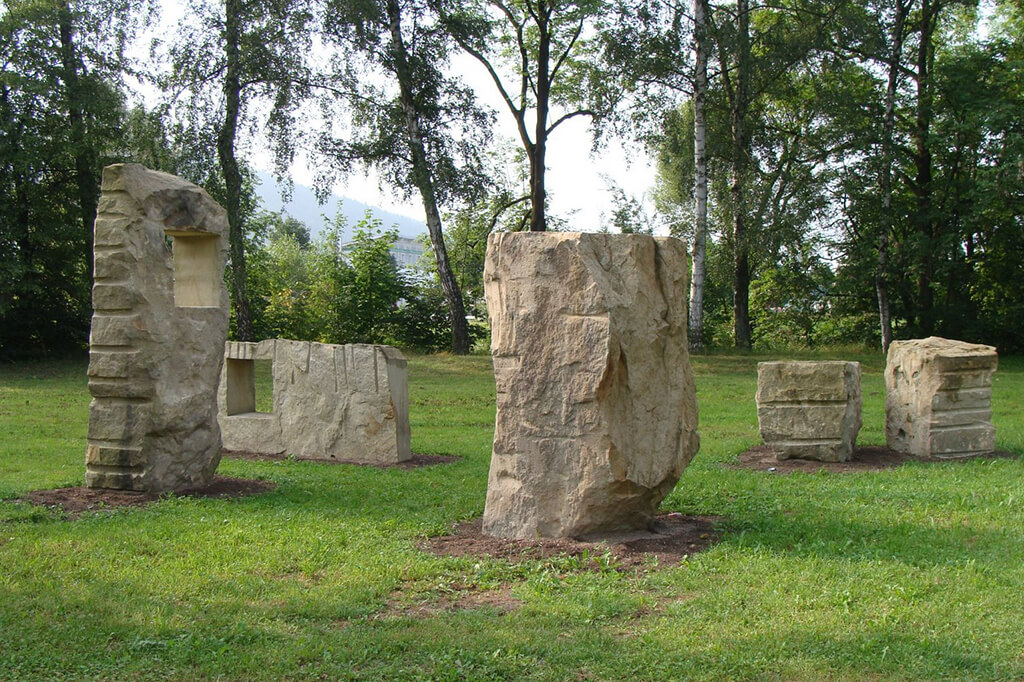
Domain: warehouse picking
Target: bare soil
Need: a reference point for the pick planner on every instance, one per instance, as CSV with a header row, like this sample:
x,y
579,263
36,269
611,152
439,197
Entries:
x,y
671,538
865,458
75,501
415,462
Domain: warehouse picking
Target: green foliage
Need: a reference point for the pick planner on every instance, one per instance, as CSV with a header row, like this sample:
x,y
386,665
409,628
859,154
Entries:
x,y
322,290
61,114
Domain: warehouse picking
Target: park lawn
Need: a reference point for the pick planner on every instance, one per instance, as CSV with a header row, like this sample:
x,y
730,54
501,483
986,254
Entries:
x,y
912,573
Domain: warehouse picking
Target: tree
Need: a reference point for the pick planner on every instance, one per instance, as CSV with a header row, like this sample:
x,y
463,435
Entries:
x,y
547,46
412,133
61,110
230,56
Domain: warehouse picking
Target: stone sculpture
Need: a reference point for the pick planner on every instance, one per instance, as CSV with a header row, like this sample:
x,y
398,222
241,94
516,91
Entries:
x,y
938,400
158,329
809,410
596,408
347,403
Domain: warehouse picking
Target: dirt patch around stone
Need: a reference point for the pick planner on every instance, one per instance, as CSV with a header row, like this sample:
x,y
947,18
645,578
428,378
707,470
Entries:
x,y
414,462
865,458
76,501
672,537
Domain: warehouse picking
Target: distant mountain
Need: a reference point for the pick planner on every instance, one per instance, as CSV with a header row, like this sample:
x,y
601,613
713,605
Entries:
x,y
304,207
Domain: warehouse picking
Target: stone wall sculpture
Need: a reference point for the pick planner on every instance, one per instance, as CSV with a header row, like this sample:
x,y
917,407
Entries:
x,y
158,329
348,403
596,408
809,410
938,400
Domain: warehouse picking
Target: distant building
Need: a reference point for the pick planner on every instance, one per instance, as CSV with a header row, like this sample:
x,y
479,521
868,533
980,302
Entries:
x,y
405,251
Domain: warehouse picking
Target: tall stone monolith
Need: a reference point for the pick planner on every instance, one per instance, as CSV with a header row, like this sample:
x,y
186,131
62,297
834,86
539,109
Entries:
x,y
596,408
809,410
160,319
938,400
346,403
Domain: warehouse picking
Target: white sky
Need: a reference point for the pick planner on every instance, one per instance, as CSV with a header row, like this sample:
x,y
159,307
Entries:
x,y
576,184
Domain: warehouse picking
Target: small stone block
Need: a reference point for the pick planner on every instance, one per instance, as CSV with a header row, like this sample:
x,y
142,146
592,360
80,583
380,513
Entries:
x,y
938,397
112,265
809,410
111,231
115,480
118,421
102,455
113,297
115,330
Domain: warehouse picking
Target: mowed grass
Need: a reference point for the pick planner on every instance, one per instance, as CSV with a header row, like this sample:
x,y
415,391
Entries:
x,y
910,573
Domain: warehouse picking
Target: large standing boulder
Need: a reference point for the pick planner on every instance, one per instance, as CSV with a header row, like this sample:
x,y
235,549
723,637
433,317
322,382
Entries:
x,y
158,329
938,400
596,408
809,410
347,403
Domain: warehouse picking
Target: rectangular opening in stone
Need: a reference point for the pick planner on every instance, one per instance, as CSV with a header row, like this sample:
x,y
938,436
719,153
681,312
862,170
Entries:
x,y
263,371
197,278
241,386
250,386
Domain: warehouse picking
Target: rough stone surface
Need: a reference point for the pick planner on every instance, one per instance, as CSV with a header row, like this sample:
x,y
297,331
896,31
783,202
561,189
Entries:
x,y
160,318
809,410
347,403
596,408
938,400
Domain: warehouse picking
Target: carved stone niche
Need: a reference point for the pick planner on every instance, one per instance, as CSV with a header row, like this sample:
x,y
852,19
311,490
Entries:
x,y
596,407
160,319
347,403
938,400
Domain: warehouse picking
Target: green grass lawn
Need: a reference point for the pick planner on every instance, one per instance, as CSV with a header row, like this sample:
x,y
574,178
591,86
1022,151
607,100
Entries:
x,y
915,572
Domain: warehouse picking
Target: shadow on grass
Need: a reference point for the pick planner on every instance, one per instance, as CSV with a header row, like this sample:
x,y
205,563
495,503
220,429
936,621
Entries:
x,y
916,544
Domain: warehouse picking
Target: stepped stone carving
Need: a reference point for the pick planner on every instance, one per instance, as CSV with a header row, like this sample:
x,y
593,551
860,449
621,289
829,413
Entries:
x,y
348,403
596,408
160,318
809,410
938,400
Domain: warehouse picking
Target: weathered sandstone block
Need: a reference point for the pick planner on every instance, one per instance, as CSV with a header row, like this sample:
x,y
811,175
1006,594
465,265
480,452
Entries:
x,y
596,409
348,403
160,318
809,410
938,400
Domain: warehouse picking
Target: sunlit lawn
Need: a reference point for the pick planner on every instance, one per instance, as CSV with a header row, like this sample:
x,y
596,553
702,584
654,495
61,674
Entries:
x,y
909,573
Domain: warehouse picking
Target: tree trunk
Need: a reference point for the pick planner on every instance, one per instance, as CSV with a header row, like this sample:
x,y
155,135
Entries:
x,y
85,157
425,183
700,178
229,168
538,195
740,152
885,178
925,221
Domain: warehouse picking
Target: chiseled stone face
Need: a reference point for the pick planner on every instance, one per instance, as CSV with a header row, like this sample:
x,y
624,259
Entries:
x,y
809,410
938,400
596,408
160,318
348,403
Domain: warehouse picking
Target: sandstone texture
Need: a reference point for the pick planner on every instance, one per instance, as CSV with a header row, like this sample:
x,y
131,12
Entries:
x,y
596,408
347,403
160,318
809,410
938,400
